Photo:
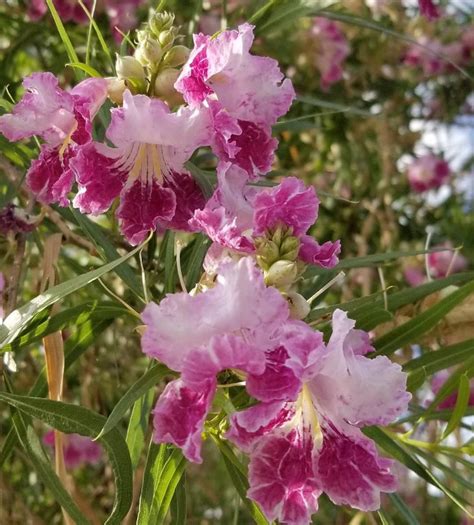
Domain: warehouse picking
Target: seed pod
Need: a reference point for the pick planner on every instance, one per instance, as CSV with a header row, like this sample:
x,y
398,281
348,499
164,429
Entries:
x,y
164,83
176,56
128,67
281,274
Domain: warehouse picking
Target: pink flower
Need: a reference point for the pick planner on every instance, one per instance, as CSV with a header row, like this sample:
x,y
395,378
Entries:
x,y
303,445
333,50
237,214
145,168
246,94
78,450
64,120
228,326
429,9
431,62
442,261
438,381
122,15
36,9
414,276
427,172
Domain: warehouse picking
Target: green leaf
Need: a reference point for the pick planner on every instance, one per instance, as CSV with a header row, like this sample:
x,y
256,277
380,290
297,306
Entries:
x,y
459,411
314,101
104,246
138,426
76,419
202,178
135,392
384,519
238,476
437,360
14,322
412,330
42,464
178,503
71,53
86,68
194,267
75,346
75,316
170,262
403,509
164,467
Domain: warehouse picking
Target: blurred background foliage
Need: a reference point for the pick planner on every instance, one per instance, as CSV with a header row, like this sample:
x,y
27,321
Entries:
x,y
352,140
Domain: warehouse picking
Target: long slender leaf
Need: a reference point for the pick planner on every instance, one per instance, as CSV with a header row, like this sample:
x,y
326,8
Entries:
x,y
135,392
76,419
71,53
138,425
20,317
459,411
178,503
405,511
412,330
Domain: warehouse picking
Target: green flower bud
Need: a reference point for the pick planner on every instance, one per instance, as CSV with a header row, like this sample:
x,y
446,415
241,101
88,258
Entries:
x,y
277,235
115,89
281,274
149,52
166,38
128,67
164,83
176,56
161,21
299,307
267,250
289,248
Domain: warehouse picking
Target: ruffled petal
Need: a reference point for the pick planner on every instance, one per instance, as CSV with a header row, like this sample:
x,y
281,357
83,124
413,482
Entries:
x,y
179,416
351,472
45,110
324,255
250,87
147,120
50,177
143,205
239,304
290,203
99,182
281,478
340,388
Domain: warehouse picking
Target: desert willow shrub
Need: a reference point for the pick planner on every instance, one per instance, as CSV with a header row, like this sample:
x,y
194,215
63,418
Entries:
x,y
206,313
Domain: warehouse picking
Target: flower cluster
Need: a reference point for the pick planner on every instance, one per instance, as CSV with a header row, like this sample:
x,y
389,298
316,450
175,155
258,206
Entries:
x,y
303,437
170,103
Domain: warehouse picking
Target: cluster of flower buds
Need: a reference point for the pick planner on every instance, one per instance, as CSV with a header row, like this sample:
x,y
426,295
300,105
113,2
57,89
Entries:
x,y
154,66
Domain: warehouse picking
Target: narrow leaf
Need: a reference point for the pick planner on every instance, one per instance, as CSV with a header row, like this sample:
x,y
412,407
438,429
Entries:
x,y
462,402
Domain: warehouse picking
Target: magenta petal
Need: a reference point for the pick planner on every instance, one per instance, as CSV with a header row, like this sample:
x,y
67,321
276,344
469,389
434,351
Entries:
x,y
282,480
99,183
223,352
50,178
179,416
290,203
278,380
324,255
352,473
249,425
189,198
142,207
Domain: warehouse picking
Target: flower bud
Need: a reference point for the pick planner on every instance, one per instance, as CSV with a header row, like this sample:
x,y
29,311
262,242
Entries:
x,y
161,22
267,251
164,83
281,274
176,56
128,67
149,52
289,248
299,307
115,89
166,38
277,235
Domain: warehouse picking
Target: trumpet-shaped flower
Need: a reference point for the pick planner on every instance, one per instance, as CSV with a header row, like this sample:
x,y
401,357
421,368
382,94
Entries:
x,y
237,214
227,327
145,168
246,93
64,120
308,440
